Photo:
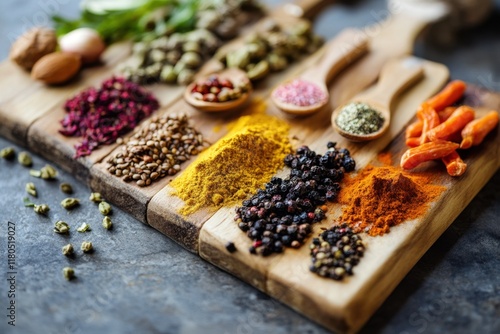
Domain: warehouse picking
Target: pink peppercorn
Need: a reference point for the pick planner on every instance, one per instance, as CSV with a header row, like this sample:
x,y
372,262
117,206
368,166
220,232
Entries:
x,y
301,93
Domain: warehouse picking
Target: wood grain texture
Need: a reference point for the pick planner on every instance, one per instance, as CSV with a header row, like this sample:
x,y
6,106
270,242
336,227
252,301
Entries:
x,y
286,276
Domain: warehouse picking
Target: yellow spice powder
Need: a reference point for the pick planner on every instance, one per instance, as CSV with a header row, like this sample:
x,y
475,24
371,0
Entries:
x,y
236,166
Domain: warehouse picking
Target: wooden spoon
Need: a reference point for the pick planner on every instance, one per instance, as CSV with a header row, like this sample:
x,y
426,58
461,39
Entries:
x,y
235,75
395,77
348,46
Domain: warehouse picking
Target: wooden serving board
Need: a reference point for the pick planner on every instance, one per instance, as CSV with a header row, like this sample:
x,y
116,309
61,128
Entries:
x,y
30,114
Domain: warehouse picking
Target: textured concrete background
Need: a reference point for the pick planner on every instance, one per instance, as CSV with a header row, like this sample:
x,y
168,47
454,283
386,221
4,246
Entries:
x,y
138,281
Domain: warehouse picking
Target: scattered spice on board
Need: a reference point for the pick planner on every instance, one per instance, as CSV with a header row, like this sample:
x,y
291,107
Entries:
x,y
301,93
281,214
378,198
242,161
335,252
359,119
157,150
441,129
101,115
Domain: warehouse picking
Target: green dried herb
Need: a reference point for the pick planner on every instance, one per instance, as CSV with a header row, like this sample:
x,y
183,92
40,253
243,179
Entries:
x,y
41,209
96,197
31,189
66,188
84,228
68,250
24,158
359,119
70,203
28,203
61,227
87,247
105,208
68,273
107,223
7,153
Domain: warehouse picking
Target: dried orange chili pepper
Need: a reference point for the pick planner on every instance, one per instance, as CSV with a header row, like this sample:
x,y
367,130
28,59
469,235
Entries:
x,y
414,129
474,132
449,95
455,166
446,113
413,141
455,123
427,152
430,121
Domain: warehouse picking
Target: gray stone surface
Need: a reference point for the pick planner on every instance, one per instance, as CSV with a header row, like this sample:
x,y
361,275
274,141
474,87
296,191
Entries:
x,y
138,281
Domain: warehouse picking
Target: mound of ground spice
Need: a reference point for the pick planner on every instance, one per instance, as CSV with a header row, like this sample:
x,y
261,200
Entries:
x,y
234,167
380,197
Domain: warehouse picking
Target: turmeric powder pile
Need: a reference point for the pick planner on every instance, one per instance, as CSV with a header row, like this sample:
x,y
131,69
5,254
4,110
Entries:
x,y
381,197
234,167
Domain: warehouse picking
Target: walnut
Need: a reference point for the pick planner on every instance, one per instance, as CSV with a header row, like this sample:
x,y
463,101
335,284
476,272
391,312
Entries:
x,y
32,46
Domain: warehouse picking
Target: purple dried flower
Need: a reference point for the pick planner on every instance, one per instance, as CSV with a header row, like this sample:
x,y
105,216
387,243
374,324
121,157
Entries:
x,y
102,115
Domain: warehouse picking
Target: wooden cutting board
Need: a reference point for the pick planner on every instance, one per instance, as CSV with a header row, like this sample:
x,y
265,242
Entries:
x,y
30,112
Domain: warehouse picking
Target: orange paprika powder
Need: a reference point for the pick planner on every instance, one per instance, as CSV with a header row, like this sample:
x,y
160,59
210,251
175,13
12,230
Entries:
x,y
380,197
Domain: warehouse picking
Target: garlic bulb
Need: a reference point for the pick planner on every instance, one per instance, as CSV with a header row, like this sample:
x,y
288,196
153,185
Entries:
x,y
85,42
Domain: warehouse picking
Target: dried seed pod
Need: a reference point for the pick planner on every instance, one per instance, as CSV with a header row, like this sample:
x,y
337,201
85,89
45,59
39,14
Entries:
x,y
84,228
24,158
61,227
31,189
68,250
107,223
96,198
70,203
7,153
87,247
41,209
68,273
66,188
104,208
32,46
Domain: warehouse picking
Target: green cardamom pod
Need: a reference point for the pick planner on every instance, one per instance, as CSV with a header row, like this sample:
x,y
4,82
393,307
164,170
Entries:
x,y
84,228
87,247
68,273
69,203
24,158
61,227
66,188
31,189
96,197
68,250
7,153
107,223
41,209
105,208
48,172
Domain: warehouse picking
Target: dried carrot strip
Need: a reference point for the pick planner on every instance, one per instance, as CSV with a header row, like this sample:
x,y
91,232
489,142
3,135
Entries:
x,y
449,95
430,121
457,121
413,141
455,166
426,152
414,129
446,113
474,132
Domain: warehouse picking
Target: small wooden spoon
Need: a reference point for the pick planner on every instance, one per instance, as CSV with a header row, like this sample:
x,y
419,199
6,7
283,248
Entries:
x,y
235,75
395,77
348,46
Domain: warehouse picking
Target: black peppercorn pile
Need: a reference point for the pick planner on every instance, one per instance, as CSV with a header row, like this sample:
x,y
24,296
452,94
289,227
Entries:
x,y
281,214
335,252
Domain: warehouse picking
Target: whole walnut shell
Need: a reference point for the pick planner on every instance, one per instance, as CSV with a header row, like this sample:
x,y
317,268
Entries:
x,y
33,45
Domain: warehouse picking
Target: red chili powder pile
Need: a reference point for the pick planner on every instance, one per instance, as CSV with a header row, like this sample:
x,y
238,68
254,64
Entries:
x,y
380,197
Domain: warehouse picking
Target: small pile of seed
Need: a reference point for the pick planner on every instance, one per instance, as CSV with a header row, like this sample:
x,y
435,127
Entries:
x,y
335,252
157,150
281,215
215,89
359,119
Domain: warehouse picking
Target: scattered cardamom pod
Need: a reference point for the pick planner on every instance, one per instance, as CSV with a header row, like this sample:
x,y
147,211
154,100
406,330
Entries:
x,y
68,250
7,153
41,209
31,189
107,223
24,158
66,188
48,172
69,203
68,273
84,228
28,203
96,197
105,208
87,247
35,173
61,227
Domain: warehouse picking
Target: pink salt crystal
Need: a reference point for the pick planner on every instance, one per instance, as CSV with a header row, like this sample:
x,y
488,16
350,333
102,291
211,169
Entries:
x,y
301,93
